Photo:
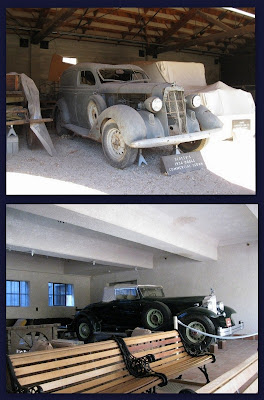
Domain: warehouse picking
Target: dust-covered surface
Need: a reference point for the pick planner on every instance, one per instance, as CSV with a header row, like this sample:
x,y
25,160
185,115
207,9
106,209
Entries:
x,y
79,167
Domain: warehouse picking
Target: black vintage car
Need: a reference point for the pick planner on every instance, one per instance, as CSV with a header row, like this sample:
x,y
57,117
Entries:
x,y
129,306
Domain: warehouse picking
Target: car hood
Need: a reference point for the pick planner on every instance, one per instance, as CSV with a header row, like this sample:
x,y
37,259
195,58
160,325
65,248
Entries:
x,y
140,87
183,302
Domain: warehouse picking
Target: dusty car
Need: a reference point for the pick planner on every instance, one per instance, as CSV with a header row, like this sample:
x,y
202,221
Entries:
x,y
127,307
119,106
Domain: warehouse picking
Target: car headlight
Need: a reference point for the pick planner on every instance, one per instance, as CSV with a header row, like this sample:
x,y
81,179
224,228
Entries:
x,y
193,100
153,104
220,305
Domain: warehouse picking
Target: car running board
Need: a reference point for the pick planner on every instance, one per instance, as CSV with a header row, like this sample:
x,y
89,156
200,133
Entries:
x,y
84,132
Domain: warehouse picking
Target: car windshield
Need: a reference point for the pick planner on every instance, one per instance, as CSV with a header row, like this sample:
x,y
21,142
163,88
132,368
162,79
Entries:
x,y
123,75
149,291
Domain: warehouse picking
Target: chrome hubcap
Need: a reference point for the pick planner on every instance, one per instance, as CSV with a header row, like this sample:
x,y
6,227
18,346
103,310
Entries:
x,y
84,330
154,318
193,336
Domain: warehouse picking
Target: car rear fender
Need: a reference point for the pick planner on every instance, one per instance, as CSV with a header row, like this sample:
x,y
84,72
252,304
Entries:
x,y
62,106
94,320
129,121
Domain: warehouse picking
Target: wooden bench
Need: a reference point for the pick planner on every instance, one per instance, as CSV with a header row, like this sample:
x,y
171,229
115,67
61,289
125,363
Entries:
x,y
241,379
100,367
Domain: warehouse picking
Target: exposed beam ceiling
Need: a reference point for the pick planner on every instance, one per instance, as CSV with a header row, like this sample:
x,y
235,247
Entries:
x,y
217,37
178,25
57,21
215,21
157,30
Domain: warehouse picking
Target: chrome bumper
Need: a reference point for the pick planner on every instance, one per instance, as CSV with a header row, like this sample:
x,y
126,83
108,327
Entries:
x,y
177,139
231,330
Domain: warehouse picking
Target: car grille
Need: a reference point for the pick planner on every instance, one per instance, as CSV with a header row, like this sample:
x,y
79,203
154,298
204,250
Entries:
x,y
176,108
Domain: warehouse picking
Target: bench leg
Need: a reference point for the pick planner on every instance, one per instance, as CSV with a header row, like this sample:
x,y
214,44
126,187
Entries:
x,y
204,371
151,390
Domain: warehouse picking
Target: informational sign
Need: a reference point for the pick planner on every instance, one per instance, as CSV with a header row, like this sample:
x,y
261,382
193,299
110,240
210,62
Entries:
x,y
241,124
185,162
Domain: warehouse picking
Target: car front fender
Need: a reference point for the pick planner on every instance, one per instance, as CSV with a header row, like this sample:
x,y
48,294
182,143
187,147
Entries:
x,y
207,120
129,121
62,106
229,311
197,310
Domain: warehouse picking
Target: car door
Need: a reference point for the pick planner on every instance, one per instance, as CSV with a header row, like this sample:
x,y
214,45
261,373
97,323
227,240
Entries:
x,y
128,313
68,89
86,86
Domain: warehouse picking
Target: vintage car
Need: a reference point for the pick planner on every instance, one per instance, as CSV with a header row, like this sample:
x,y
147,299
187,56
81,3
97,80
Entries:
x,y
126,307
119,106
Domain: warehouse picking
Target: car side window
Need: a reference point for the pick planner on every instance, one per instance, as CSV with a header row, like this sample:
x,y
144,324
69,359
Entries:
x,y
126,294
87,78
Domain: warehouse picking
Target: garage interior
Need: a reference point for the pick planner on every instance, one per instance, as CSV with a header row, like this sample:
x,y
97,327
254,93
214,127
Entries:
x,y
220,38
186,248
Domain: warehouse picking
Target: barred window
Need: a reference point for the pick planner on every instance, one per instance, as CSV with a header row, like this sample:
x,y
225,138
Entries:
x,y
17,294
61,294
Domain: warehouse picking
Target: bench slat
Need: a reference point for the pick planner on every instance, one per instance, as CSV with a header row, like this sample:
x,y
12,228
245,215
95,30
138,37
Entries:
x,y
160,352
45,355
89,385
75,369
152,337
59,383
135,384
51,365
253,388
238,381
225,378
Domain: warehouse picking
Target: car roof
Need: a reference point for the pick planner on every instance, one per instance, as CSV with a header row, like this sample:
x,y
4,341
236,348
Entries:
x,y
109,291
100,66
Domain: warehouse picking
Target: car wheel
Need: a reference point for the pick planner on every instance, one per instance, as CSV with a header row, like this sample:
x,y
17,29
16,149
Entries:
x,y
84,329
61,130
201,323
156,316
118,154
195,145
96,105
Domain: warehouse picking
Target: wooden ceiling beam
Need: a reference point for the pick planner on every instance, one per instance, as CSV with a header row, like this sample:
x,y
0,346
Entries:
x,y
214,21
58,20
209,38
178,25
42,17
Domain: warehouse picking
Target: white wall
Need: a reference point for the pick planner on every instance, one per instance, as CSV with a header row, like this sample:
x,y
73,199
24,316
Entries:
x,y
234,278
38,271
35,62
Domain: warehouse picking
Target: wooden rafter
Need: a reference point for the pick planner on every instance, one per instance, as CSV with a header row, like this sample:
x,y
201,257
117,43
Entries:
x,y
178,25
58,20
42,17
209,38
214,21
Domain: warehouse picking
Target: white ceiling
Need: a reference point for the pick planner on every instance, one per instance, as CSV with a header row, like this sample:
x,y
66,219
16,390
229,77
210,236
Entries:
x,y
226,223
124,236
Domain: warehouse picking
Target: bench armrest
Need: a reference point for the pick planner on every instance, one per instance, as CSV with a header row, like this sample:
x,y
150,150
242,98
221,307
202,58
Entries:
x,y
195,351
15,386
139,366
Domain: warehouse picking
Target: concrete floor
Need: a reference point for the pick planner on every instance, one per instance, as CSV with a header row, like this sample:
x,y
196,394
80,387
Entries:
x,y
236,352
